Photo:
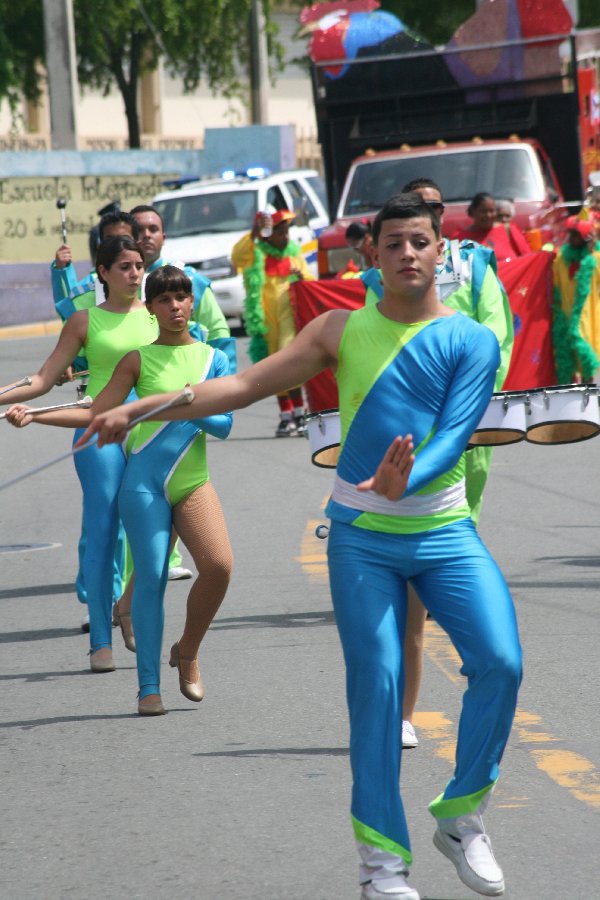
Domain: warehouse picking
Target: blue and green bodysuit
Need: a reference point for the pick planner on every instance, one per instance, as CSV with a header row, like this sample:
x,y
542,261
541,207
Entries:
x,y
432,380
166,463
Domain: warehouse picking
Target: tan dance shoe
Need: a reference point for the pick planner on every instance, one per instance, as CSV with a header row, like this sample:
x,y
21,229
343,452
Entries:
x,y
193,690
123,621
151,705
102,660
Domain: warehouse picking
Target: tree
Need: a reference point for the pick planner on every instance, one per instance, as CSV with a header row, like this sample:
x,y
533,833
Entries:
x,y
21,49
117,41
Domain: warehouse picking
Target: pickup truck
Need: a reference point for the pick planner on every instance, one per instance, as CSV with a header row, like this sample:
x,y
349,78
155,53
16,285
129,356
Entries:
x,y
534,140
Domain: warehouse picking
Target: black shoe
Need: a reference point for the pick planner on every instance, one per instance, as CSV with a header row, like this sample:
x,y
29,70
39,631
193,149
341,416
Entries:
x,y
286,428
301,428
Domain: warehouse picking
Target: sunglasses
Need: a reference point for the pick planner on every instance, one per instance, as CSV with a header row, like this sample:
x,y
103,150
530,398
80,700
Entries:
x,y
436,205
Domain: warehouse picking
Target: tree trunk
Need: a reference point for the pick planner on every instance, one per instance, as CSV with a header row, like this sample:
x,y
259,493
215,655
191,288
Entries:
x,y
131,112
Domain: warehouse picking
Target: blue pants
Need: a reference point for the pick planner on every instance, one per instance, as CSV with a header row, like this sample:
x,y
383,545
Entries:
x,y
100,473
147,516
462,587
118,564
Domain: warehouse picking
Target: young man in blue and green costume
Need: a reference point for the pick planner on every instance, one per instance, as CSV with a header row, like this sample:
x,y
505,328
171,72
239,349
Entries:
x,y
409,365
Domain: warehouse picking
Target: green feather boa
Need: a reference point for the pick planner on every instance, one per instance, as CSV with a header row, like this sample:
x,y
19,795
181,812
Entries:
x,y
571,350
254,281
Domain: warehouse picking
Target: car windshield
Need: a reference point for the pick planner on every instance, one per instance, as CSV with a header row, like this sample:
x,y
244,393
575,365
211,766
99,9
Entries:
x,y
503,173
208,213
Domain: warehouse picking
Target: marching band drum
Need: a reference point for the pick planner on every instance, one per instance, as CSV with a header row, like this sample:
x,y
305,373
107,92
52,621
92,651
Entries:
x,y
563,414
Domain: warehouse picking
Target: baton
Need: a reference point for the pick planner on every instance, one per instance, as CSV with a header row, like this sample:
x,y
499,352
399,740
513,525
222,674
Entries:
x,y
60,205
22,383
84,403
185,397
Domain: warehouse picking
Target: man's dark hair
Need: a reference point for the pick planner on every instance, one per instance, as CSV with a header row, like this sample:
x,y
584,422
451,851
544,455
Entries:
x,y
144,207
405,206
113,218
166,278
356,231
417,183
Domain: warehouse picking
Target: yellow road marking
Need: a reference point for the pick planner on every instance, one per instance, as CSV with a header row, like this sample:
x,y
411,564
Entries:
x,y
570,770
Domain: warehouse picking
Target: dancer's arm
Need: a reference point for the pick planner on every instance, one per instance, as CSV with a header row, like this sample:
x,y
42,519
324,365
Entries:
x,y
118,388
311,351
71,339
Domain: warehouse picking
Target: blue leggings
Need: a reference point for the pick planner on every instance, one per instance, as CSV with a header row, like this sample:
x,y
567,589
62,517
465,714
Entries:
x,y
463,588
100,473
148,521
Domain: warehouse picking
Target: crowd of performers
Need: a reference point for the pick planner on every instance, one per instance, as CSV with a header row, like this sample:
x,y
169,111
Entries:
x,y
427,350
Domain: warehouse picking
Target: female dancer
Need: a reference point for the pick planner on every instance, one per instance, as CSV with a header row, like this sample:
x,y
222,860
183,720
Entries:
x,y
105,333
166,484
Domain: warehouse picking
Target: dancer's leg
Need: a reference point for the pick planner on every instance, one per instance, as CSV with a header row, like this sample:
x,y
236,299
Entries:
x,y
413,653
465,591
147,520
100,473
369,598
199,521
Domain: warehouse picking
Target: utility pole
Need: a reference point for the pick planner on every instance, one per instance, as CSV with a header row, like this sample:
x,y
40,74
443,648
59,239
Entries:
x,y
59,34
259,74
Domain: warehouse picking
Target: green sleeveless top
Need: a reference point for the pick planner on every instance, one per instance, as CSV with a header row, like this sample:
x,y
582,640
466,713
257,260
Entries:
x,y
110,336
164,369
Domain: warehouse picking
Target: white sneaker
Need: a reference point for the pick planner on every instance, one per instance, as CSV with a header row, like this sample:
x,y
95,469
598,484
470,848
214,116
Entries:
x,y
464,841
409,738
382,875
178,573
85,623
389,889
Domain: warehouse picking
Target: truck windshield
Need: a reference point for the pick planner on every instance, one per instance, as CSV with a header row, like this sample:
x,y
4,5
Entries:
x,y
212,212
506,172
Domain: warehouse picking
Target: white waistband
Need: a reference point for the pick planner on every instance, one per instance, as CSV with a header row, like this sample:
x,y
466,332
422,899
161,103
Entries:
x,y
418,505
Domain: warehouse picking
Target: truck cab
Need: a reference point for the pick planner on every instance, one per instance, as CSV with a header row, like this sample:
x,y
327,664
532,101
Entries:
x,y
518,170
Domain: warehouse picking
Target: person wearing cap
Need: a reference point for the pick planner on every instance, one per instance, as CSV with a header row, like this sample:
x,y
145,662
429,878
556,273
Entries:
x,y
270,262
576,307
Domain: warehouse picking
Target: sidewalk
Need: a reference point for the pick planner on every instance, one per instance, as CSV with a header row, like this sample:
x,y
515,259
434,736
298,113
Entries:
x,y
36,329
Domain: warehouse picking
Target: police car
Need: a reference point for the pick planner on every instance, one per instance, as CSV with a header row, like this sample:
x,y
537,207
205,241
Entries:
x,y
204,219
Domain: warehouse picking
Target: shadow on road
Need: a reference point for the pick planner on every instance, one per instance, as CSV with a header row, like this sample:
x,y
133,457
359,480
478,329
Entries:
x,y
37,590
280,620
278,751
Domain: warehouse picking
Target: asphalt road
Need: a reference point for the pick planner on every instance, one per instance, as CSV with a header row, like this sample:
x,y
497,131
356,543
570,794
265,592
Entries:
x,y
245,796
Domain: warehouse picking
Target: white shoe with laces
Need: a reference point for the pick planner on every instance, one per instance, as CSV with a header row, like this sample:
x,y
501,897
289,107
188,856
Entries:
x,y
409,738
464,842
382,875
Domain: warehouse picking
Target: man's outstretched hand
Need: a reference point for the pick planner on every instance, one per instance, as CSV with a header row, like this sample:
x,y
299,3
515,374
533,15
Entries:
x,y
392,473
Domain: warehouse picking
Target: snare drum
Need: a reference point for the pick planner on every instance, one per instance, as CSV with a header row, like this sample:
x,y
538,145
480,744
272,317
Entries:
x,y
504,421
324,435
563,414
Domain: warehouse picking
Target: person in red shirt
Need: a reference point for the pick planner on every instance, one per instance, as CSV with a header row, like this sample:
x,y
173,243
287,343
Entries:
x,y
505,238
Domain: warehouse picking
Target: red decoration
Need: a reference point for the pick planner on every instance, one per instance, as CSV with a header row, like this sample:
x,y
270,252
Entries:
x,y
528,283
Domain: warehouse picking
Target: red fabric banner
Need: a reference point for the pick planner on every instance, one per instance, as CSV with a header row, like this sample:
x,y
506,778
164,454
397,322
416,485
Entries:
x,y
528,283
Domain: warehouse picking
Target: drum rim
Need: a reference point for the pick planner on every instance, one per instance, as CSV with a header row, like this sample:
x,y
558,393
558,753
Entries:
x,y
322,412
564,389
516,440
543,424
317,453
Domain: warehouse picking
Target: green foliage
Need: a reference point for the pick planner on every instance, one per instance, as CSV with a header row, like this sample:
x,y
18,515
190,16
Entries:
x,y
117,41
435,21
21,47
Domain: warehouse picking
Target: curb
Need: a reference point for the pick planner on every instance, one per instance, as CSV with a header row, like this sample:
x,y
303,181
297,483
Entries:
x,y
36,329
